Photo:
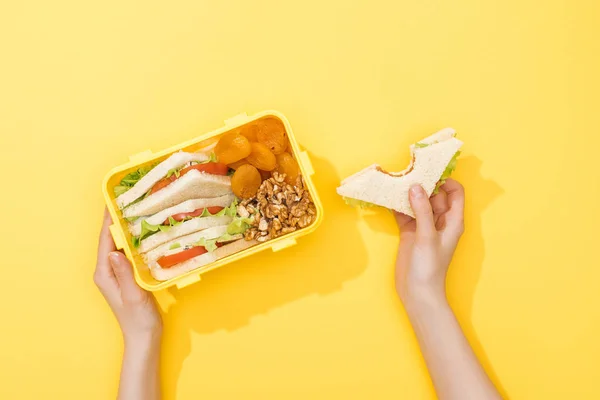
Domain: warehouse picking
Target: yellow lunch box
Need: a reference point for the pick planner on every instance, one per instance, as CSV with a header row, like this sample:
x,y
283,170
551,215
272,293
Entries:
x,y
122,236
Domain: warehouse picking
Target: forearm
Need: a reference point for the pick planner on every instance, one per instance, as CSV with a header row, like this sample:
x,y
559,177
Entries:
x,y
140,370
454,368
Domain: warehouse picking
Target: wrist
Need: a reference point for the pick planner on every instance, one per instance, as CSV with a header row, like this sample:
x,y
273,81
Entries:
x,y
147,342
422,299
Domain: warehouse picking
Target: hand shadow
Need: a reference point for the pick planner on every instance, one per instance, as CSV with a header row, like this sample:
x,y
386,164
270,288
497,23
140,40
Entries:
x,y
228,298
466,267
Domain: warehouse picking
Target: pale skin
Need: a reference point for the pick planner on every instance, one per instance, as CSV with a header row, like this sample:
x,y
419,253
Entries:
x,y
427,245
138,317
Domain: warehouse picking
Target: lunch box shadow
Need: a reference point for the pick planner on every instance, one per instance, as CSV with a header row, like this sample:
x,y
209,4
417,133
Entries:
x,y
228,298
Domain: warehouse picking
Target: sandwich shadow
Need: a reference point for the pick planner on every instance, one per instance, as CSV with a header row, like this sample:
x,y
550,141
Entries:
x,y
465,269
229,297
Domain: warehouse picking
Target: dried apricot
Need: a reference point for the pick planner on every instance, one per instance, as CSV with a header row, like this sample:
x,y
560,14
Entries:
x,y
249,132
238,164
232,147
271,133
288,166
261,157
245,181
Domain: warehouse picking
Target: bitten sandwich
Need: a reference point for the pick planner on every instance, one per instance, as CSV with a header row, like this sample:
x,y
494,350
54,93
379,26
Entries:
x,y
433,160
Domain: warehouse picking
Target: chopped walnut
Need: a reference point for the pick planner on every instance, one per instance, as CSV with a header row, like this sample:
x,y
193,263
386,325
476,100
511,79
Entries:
x,y
250,234
243,211
263,225
277,209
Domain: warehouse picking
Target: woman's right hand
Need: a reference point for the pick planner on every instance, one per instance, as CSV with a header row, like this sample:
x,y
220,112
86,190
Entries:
x,y
427,242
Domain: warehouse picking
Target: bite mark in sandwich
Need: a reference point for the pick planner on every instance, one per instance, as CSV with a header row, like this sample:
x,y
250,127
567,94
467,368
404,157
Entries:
x,y
433,160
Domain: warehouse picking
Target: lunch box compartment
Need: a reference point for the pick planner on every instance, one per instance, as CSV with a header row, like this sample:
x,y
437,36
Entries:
x,y
122,236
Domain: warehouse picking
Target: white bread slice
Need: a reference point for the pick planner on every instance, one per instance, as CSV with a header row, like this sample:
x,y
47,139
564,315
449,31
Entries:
x,y
151,259
165,248
193,185
187,206
185,228
163,274
156,174
389,189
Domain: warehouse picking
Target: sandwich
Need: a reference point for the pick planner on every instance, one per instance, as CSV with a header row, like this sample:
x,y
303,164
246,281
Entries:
x,y
192,252
183,219
194,208
182,213
180,177
433,160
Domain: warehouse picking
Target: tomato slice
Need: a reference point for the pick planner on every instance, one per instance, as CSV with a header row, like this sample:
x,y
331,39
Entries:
x,y
195,213
214,168
210,168
173,259
163,183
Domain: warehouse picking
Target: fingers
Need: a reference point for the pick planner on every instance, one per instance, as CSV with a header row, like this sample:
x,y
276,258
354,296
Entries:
x,y
456,203
130,291
106,243
402,219
439,202
103,275
419,201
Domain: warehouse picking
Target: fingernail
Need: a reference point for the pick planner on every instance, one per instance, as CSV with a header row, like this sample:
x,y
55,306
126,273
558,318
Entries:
x,y
113,258
417,192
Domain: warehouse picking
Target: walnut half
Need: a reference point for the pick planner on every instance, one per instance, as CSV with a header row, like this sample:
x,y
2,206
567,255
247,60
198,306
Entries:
x,y
277,209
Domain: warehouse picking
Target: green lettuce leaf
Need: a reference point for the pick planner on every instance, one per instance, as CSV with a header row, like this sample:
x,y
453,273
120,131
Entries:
x,y
174,246
173,222
358,203
173,171
447,172
230,211
421,145
131,179
148,229
164,228
209,244
135,241
226,238
239,225
120,189
213,157
177,171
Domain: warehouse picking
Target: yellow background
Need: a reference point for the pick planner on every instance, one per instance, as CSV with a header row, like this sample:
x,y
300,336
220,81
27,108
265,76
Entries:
x,y
85,84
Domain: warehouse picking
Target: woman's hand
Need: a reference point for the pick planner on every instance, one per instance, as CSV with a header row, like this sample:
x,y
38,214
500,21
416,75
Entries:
x,y
427,243
138,317
134,308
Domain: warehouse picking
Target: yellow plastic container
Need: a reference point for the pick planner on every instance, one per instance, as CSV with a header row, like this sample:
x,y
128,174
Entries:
x,y
121,234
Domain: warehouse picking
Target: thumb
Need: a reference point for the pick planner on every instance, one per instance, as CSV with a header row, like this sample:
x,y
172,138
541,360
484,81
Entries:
x,y
123,271
419,201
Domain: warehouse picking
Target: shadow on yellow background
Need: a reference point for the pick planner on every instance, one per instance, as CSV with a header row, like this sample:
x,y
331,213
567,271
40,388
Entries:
x,y
466,267
465,270
228,298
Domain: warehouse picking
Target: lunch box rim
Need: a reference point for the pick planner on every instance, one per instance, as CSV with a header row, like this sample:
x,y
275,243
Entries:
x,y
118,232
